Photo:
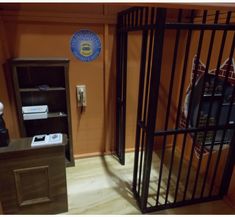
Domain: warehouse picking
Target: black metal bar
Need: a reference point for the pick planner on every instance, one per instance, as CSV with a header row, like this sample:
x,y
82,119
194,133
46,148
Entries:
x,y
118,85
197,26
146,89
132,13
137,17
217,163
190,102
125,38
193,129
143,120
230,158
199,110
228,170
142,14
142,125
128,11
183,26
222,140
139,110
168,111
181,203
121,90
211,15
128,20
153,102
200,104
149,65
125,20
217,118
134,16
217,72
168,103
137,197
187,49
119,102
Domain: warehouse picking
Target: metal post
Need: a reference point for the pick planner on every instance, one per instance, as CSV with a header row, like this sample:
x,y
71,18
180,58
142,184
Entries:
x,y
140,103
153,101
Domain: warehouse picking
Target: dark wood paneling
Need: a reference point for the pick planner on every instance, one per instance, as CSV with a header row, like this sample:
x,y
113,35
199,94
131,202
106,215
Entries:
x,y
34,180
32,185
33,76
34,126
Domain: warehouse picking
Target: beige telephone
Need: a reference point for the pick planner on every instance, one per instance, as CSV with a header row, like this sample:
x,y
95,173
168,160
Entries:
x,y
81,95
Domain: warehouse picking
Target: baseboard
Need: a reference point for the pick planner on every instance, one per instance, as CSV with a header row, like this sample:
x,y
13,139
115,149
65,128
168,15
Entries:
x,y
95,154
130,149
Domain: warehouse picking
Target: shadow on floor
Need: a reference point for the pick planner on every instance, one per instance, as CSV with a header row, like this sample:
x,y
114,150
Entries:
x,y
123,187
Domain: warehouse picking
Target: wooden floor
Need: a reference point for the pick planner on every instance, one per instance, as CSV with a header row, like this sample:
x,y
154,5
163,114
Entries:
x,y
100,185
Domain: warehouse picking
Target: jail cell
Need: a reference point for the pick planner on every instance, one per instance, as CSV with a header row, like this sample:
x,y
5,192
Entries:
x,y
185,139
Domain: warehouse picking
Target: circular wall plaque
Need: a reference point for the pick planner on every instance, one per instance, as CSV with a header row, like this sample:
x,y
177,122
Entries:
x,y
85,45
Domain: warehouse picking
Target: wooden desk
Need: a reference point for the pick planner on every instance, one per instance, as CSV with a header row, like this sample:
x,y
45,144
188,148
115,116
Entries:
x,y
33,179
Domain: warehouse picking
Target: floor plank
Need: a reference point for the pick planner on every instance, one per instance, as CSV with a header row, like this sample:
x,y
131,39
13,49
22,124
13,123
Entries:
x,y
100,185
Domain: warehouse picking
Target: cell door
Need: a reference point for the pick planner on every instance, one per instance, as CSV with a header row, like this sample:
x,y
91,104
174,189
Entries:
x,y
185,140
121,78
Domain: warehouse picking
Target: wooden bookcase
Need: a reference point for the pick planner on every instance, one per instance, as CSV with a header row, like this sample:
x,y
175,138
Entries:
x,y
44,82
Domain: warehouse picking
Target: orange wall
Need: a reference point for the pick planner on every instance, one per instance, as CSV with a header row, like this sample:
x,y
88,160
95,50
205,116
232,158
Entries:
x,y
133,72
93,130
6,95
25,35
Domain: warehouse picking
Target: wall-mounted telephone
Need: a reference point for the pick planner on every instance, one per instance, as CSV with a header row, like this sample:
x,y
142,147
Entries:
x,y
81,95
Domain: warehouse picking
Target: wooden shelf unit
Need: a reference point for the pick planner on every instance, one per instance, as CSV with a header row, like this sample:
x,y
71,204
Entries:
x,y
39,81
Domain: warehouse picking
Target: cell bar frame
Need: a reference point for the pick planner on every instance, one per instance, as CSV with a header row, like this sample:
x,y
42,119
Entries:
x,y
152,22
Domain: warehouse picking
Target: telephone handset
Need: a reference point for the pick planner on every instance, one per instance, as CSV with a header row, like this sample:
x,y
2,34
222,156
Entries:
x,y
81,96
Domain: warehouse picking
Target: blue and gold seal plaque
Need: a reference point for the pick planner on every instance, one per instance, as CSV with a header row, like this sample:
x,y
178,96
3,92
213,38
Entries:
x,y
85,45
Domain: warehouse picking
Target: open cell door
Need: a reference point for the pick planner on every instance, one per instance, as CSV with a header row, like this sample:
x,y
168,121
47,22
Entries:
x,y
121,93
